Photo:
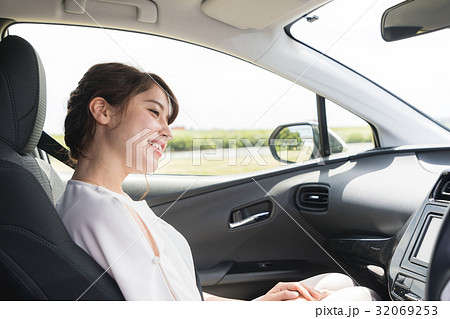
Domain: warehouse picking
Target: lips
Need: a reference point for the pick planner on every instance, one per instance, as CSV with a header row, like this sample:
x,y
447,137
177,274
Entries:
x,y
158,145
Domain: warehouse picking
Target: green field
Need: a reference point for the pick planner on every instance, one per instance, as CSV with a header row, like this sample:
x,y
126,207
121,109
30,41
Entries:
x,y
354,134
187,140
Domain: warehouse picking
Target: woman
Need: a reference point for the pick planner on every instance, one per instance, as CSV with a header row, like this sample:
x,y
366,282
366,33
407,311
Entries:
x,y
118,123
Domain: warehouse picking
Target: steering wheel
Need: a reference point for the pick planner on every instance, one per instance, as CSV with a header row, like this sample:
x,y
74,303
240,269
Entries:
x,y
439,271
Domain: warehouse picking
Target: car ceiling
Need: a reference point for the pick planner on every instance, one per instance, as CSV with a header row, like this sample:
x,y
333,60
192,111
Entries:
x,y
246,35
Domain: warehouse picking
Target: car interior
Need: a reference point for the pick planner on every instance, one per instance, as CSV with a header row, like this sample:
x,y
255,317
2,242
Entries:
x,y
380,216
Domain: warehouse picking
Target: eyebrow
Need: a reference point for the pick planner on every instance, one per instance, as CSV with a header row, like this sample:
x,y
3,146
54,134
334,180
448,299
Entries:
x,y
161,106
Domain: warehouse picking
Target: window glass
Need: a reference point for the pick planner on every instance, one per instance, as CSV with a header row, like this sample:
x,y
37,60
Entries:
x,y
415,69
228,107
348,133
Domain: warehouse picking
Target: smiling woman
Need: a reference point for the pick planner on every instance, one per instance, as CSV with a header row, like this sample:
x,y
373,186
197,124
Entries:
x,y
113,105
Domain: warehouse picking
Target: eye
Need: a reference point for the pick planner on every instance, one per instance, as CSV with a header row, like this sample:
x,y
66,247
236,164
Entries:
x,y
156,112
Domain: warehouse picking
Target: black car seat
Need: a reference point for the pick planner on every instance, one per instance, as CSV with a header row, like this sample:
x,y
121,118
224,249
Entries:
x,y
38,259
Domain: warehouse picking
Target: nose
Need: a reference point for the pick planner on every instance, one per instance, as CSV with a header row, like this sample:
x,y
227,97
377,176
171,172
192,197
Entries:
x,y
166,132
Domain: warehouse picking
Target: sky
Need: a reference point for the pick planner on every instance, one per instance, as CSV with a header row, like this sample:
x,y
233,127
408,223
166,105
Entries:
x,y
217,91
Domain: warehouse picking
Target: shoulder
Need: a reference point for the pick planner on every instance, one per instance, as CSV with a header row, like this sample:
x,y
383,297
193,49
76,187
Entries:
x,y
83,202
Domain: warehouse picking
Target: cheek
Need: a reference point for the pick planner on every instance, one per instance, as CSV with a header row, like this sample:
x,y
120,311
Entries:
x,y
136,128
144,122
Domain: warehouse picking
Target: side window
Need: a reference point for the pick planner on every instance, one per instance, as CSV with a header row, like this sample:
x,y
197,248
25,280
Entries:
x,y
228,107
348,133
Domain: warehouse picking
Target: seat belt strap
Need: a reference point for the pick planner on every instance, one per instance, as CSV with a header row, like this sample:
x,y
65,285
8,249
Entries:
x,y
53,148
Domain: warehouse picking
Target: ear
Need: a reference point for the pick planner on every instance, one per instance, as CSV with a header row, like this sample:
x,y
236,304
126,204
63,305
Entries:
x,y
99,109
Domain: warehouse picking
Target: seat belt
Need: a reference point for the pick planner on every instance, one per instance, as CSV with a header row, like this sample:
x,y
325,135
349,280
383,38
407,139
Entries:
x,y
53,148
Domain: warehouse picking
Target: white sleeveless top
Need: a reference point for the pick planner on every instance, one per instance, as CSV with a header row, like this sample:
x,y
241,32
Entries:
x,y
100,223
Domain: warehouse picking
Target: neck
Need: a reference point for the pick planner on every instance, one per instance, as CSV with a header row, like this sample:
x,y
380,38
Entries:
x,y
98,171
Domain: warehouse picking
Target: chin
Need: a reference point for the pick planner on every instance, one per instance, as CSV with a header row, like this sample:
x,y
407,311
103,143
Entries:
x,y
152,164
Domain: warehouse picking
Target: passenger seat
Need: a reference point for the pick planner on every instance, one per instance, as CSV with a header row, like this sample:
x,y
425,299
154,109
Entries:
x,y
38,259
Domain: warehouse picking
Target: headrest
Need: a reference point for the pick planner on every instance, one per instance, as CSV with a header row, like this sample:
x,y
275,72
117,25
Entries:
x,y
22,94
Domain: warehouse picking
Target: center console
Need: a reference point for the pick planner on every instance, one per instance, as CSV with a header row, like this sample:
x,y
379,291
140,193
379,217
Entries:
x,y
412,255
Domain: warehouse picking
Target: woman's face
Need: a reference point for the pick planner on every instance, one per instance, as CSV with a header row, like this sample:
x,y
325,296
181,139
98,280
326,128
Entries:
x,y
142,132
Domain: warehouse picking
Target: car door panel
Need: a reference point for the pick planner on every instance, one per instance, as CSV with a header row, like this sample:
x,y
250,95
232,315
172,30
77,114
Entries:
x,y
370,198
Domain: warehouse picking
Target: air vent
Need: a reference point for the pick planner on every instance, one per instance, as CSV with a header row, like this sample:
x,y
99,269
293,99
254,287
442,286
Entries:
x,y
446,189
312,197
442,189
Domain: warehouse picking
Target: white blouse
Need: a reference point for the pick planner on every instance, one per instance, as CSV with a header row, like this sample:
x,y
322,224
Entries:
x,y
100,222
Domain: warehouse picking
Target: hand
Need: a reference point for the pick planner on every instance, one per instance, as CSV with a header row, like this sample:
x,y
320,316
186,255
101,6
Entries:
x,y
291,291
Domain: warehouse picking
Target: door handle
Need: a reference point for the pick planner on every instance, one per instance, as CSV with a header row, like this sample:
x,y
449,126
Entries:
x,y
249,220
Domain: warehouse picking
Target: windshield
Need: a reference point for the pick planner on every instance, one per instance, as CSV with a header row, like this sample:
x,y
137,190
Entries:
x,y
416,69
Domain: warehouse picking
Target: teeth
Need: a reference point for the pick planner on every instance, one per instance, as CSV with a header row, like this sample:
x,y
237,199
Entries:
x,y
158,146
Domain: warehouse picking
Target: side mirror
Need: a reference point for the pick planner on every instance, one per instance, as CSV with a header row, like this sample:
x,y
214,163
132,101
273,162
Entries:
x,y
300,142
414,17
293,143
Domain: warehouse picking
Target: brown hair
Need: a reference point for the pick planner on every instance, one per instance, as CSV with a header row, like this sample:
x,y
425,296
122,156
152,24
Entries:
x,y
115,82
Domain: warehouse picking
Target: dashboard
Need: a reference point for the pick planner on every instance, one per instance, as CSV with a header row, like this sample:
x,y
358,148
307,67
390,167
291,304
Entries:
x,y
412,254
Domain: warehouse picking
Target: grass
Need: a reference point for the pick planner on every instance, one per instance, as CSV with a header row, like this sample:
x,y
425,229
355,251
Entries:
x,y
186,140
354,134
